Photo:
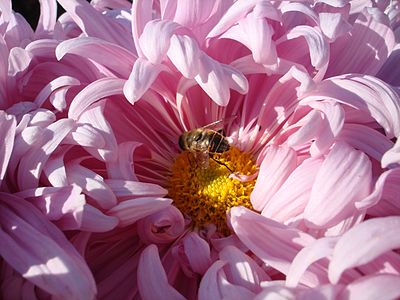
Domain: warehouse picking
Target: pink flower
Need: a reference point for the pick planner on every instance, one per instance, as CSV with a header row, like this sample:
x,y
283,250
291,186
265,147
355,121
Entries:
x,y
98,200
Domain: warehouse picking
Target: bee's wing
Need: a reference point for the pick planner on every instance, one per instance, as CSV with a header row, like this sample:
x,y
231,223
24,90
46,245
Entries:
x,y
219,124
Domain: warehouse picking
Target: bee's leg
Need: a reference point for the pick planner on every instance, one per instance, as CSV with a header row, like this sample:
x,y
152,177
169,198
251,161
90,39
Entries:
x,y
221,163
191,160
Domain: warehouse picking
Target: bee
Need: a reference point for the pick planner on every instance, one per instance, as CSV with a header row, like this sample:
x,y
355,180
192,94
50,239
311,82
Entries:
x,y
204,143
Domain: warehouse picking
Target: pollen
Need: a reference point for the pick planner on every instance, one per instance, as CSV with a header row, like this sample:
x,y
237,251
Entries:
x,y
206,194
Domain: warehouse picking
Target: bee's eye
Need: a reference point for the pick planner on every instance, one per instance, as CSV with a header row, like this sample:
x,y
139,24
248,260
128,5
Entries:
x,y
182,143
197,137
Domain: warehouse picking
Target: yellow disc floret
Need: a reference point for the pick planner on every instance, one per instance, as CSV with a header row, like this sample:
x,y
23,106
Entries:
x,y
205,194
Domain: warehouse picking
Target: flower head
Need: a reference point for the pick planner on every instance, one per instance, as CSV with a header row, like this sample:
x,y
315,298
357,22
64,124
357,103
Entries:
x,y
98,103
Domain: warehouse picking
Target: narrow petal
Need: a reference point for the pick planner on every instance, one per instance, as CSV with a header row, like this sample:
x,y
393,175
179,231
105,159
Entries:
x,y
130,211
127,188
93,220
52,86
275,168
143,74
344,177
392,156
47,19
152,279
7,132
376,236
95,117
110,55
95,91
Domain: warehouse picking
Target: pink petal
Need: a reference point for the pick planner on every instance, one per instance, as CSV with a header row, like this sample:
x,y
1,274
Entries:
x,y
275,168
86,135
274,243
7,132
141,15
364,242
95,24
333,25
214,285
47,19
317,44
288,202
392,156
366,139
127,188
57,203
155,39
123,168
386,186
364,49
321,248
93,220
41,253
197,251
241,269
373,287
364,93
184,54
96,118
95,91
344,177
112,56
236,11
92,185
162,227
152,279
143,74
31,164
256,34
130,211
216,79
52,86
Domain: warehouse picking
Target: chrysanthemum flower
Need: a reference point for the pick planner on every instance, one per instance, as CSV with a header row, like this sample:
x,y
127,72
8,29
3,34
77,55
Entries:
x,y
99,200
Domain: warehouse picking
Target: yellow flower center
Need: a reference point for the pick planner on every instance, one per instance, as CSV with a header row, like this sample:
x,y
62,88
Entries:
x,y
206,194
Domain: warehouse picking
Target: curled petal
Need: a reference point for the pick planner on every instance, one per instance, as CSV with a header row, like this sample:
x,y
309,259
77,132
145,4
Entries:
x,y
95,91
161,227
214,285
143,74
376,236
241,269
